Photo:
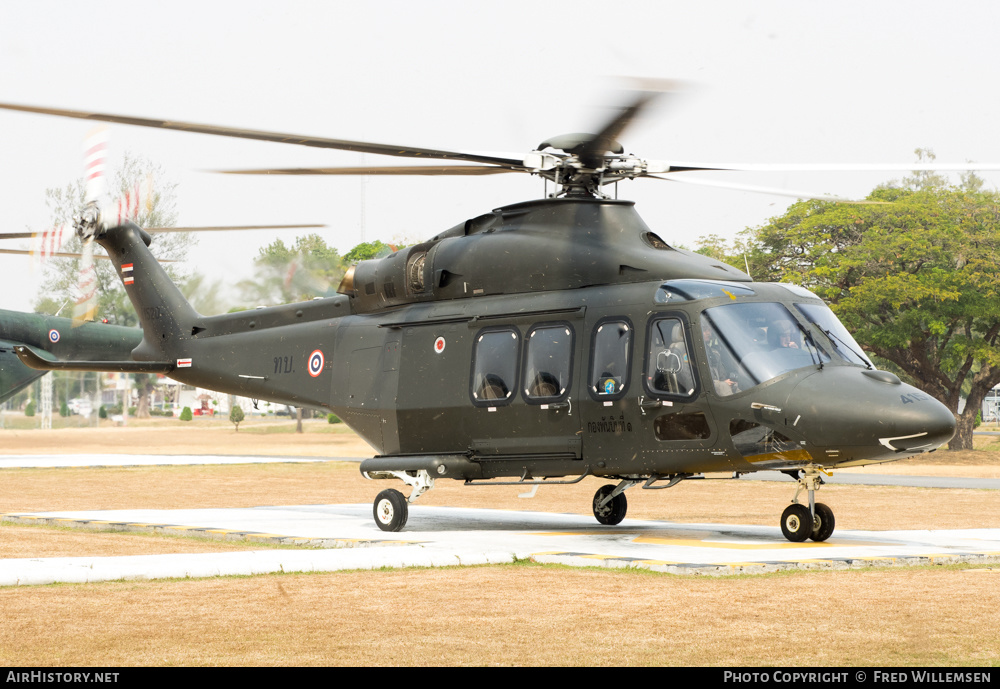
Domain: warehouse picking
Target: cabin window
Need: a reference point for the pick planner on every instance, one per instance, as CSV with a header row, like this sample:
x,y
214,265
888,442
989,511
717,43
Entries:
x,y
494,366
548,362
668,363
610,359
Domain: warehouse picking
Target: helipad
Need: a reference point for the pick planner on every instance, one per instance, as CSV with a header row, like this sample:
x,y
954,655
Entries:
x,y
339,537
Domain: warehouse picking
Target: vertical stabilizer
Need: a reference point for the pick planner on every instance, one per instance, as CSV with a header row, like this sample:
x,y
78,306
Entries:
x,y
165,315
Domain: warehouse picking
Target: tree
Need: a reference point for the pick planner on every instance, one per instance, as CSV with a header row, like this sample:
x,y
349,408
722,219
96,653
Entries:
x,y
285,273
916,278
236,416
368,250
145,384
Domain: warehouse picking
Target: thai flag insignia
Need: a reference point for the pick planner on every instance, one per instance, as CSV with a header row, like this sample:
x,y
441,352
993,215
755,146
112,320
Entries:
x,y
127,276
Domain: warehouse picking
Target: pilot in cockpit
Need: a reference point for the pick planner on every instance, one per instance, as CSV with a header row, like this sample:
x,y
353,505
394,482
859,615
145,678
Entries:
x,y
782,335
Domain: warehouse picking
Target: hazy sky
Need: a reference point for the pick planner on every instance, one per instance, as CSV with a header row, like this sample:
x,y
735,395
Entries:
x,y
845,82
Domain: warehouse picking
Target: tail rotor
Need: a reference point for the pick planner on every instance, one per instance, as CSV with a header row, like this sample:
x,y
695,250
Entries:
x,y
88,222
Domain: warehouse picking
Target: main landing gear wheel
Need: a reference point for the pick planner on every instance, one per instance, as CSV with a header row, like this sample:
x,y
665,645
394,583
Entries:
x,y
796,523
390,510
614,511
824,523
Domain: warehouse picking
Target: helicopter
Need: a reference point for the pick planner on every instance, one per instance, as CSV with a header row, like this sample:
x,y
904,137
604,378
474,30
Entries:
x,y
59,340
541,343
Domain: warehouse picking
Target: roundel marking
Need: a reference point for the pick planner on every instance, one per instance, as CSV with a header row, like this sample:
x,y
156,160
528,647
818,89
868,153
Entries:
x,y
54,336
315,363
439,345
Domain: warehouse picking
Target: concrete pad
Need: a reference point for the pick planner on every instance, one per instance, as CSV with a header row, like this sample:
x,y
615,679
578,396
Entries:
x,y
438,536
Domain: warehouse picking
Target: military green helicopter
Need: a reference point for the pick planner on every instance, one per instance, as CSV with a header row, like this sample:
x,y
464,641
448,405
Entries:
x,y
55,338
541,343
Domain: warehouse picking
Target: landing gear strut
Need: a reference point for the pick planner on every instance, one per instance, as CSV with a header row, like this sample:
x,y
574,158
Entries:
x,y
799,522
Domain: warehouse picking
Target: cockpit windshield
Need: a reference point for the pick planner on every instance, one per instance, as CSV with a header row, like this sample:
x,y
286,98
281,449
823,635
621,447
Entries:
x,y
750,343
844,345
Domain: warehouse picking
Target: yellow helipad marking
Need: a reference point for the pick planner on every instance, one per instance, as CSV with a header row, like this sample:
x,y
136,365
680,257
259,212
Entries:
x,y
759,545
585,532
700,540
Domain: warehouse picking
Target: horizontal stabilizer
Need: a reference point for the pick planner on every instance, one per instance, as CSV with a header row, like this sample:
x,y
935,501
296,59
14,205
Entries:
x,y
35,359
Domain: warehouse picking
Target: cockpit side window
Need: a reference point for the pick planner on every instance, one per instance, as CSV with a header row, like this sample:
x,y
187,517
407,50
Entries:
x,y
610,359
668,362
548,362
494,367
728,376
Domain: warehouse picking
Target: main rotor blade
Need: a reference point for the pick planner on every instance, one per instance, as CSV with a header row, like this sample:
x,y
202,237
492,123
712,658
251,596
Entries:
x,y
59,254
64,254
591,153
777,191
277,137
662,166
226,228
431,170
207,228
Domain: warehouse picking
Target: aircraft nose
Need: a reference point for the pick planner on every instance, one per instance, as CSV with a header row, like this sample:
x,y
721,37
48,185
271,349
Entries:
x,y
872,412
926,426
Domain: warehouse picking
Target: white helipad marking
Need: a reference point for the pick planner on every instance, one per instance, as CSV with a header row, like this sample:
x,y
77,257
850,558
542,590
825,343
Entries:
x,y
436,536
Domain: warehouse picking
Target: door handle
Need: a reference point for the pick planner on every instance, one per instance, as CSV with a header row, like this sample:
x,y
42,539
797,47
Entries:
x,y
568,404
645,404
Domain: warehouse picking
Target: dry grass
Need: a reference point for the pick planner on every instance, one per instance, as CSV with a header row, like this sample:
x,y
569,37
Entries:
x,y
510,615
203,437
33,542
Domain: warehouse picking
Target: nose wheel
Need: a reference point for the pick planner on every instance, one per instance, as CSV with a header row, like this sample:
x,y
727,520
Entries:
x,y
799,522
796,523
